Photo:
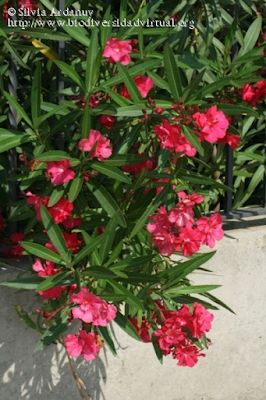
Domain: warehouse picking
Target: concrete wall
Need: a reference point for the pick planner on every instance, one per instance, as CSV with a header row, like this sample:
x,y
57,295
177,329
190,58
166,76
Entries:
x,y
234,369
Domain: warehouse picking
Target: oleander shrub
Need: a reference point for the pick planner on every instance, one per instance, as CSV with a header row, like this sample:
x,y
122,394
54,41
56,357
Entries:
x,y
117,152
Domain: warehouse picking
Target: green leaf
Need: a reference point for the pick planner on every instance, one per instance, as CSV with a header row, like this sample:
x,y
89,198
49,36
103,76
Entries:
x,y
99,272
110,171
70,72
175,274
40,251
193,139
91,72
78,33
130,84
217,301
124,324
36,94
107,201
24,317
9,140
106,30
234,109
158,81
75,188
105,333
130,298
158,351
14,103
172,72
251,36
86,123
30,283
54,331
56,195
130,262
120,100
54,233
89,248
192,86
133,71
191,289
110,235
52,281
55,155
13,51
150,210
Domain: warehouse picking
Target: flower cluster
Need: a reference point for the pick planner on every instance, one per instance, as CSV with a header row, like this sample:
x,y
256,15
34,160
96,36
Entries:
x,y
91,310
212,125
253,94
83,343
60,211
178,330
100,144
172,139
177,230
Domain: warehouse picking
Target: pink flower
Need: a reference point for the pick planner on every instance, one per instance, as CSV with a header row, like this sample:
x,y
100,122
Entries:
x,y
213,124
102,150
159,221
172,139
232,140
169,337
190,199
107,121
249,95
72,242
181,215
165,241
187,355
252,95
198,323
143,83
135,169
117,51
36,201
72,223
188,240
60,172
143,331
92,308
60,211
210,229
48,269
82,343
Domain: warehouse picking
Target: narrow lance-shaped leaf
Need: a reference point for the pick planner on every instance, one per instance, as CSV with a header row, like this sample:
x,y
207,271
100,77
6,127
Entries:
x,y
36,94
91,58
40,251
89,248
54,233
124,324
14,103
172,72
106,200
130,84
150,210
